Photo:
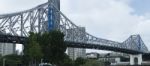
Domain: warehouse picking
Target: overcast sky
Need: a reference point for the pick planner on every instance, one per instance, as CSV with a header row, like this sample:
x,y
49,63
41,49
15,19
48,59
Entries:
x,y
110,19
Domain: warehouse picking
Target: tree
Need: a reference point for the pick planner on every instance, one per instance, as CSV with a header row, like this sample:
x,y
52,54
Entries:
x,y
93,63
50,45
67,61
58,47
44,41
32,49
11,60
80,61
53,46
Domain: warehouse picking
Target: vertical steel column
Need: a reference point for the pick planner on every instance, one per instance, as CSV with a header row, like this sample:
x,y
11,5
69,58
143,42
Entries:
x,y
31,22
21,25
10,25
57,14
139,43
50,16
39,20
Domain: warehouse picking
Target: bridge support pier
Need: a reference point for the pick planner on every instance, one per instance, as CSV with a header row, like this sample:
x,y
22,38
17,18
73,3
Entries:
x,y
136,59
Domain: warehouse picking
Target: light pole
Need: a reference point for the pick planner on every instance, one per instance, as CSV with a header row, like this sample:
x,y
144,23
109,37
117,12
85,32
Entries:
x,y
41,60
4,61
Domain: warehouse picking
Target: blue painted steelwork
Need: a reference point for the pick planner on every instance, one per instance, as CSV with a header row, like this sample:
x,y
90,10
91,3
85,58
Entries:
x,y
52,16
50,19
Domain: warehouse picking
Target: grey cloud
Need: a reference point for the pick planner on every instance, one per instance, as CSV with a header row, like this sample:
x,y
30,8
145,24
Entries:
x,y
111,19
10,6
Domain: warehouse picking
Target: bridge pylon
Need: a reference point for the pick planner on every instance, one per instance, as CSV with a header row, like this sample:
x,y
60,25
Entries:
x,y
136,59
53,15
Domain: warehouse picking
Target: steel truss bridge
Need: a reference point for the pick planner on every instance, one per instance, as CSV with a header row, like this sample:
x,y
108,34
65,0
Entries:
x,y
14,27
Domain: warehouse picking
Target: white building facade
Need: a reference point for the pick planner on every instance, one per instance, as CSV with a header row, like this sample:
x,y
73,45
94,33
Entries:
x,y
74,53
78,37
7,48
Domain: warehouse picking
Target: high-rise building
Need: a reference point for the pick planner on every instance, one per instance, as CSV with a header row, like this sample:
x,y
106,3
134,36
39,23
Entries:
x,y
78,37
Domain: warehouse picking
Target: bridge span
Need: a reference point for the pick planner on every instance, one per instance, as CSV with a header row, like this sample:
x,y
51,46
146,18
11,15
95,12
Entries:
x,y
22,40
47,17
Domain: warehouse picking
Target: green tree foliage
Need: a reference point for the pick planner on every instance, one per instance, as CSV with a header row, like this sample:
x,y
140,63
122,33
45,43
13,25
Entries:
x,y
58,47
67,61
11,60
44,41
80,61
49,46
53,46
93,63
32,49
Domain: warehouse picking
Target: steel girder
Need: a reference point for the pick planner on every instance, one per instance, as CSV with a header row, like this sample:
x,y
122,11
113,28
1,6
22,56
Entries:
x,y
135,42
35,20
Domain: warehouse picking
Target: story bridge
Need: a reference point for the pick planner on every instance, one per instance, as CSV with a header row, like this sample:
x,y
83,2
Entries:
x,y
14,27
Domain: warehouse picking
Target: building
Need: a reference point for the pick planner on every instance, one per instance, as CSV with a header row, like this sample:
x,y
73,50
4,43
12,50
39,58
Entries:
x,y
1,51
7,48
76,52
115,58
92,55
79,37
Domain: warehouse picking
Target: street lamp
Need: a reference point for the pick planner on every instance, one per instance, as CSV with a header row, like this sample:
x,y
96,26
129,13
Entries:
x,y
4,61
